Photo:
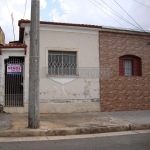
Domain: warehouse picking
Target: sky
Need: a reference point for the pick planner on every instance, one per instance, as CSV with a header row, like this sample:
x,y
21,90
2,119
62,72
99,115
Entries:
x,y
133,14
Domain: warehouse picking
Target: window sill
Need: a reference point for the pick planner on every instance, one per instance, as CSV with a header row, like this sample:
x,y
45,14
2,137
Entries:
x,y
63,76
128,76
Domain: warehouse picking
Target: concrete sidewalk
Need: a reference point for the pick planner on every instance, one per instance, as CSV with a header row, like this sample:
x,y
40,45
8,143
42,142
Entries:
x,y
15,125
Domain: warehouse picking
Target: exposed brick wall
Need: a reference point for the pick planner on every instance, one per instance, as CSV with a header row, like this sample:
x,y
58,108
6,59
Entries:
x,y
121,93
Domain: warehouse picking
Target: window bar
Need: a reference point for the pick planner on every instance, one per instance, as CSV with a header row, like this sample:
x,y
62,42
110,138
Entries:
x,y
6,88
50,65
5,83
62,71
58,65
69,65
9,76
18,86
22,83
16,83
13,89
12,93
22,103
9,84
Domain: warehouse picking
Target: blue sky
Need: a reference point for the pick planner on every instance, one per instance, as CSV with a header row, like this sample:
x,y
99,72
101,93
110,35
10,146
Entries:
x,y
77,11
51,4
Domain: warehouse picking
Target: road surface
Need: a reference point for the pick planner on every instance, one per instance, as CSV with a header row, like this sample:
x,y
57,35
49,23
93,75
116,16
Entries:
x,y
112,142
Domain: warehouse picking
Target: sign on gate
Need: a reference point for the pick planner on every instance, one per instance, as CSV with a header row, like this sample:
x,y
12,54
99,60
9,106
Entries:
x,y
13,69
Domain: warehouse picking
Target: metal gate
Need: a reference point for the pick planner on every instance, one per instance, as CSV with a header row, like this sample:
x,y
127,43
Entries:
x,y
14,81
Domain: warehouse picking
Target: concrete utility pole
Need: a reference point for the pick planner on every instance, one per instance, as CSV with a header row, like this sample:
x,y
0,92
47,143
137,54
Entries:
x,y
33,112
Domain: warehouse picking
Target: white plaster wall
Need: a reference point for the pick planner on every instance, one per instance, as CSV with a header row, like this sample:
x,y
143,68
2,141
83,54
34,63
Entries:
x,y
78,95
86,44
6,53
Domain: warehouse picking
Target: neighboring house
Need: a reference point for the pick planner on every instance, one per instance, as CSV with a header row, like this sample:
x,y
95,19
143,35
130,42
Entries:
x,y
12,57
127,53
2,37
82,68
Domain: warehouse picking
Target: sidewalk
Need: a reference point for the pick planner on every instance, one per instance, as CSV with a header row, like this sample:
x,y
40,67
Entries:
x,y
15,125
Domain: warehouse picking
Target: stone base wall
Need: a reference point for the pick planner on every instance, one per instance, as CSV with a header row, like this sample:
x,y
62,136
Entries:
x,y
123,93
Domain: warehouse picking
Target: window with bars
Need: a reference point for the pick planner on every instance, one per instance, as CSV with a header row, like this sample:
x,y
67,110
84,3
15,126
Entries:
x,y
130,65
61,63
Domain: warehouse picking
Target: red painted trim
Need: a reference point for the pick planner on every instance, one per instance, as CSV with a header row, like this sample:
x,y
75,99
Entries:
x,y
13,47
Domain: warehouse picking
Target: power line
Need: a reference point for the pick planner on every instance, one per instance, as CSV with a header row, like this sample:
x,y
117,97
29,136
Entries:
x,y
128,15
7,6
115,13
13,25
11,15
142,4
25,9
106,13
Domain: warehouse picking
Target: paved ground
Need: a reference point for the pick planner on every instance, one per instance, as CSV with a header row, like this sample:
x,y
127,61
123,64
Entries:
x,y
74,123
132,116
5,121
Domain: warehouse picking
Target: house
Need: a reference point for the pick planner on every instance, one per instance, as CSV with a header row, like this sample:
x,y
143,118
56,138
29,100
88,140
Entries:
x,y
2,36
68,52
82,68
127,53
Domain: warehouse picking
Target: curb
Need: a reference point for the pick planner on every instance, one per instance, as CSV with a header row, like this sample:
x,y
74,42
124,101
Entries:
x,y
71,131
139,126
61,132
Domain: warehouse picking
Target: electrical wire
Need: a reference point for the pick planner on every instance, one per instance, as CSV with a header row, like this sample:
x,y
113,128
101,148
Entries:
x,y
11,15
25,9
7,6
120,16
128,14
142,4
116,14
13,25
106,13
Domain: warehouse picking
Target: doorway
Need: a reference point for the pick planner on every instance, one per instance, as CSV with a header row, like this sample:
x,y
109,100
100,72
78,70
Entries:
x,y
14,67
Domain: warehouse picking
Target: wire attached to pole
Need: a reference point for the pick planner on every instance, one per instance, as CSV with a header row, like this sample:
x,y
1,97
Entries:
x,y
12,18
13,24
25,9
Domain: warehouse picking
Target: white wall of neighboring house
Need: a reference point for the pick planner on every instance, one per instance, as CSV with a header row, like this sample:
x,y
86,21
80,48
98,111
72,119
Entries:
x,y
58,94
6,53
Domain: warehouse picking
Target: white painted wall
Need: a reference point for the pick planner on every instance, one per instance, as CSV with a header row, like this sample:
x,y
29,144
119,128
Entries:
x,y
67,95
79,91
6,53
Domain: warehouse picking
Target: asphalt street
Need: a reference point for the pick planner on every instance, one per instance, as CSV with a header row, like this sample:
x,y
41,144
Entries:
x,y
121,142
